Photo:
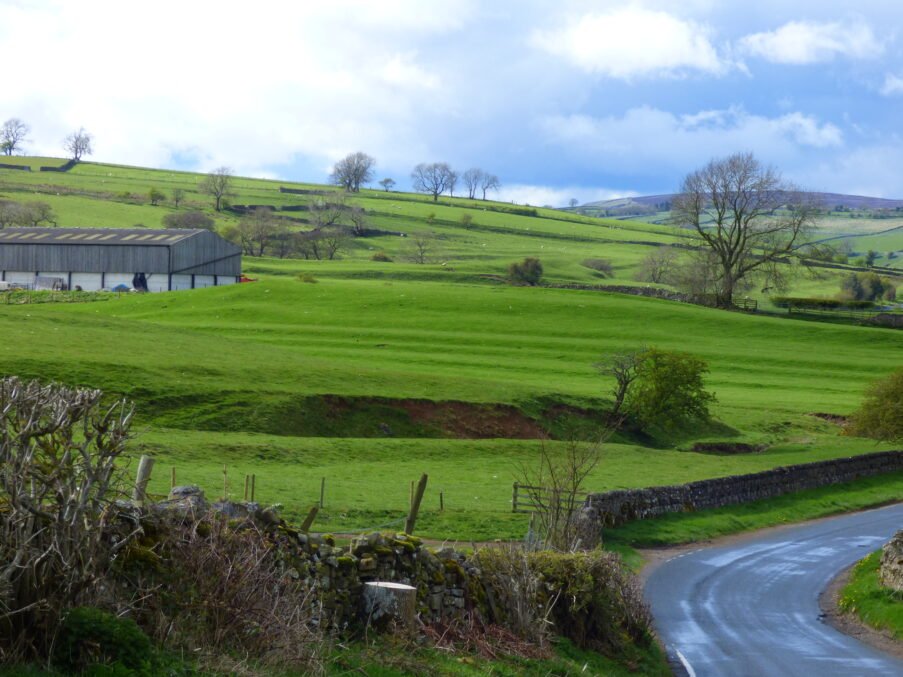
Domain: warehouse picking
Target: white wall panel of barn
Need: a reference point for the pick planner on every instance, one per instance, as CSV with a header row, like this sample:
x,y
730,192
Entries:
x,y
201,281
180,282
223,280
115,279
87,281
19,277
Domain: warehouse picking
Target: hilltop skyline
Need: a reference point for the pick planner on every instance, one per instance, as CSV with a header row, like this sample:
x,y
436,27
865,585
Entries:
x,y
590,100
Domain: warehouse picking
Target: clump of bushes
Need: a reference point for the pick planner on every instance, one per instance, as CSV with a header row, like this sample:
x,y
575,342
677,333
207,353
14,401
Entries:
x,y
588,597
307,277
867,287
192,219
527,272
90,637
881,413
381,257
600,266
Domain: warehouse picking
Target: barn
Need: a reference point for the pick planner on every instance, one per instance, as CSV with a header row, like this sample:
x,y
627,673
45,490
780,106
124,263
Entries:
x,y
105,258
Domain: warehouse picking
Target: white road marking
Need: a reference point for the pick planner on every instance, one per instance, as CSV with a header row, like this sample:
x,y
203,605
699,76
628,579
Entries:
x,y
685,663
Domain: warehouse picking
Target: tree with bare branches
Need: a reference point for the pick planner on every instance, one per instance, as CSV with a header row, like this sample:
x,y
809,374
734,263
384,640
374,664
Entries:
x,y
12,136
217,184
472,178
555,487
387,184
78,144
59,449
489,182
745,214
352,171
433,178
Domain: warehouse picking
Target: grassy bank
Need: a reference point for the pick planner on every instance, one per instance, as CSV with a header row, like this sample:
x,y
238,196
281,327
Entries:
x,y
873,604
798,507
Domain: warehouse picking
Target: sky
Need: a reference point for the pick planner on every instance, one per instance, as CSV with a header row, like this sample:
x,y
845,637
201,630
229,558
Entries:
x,y
559,98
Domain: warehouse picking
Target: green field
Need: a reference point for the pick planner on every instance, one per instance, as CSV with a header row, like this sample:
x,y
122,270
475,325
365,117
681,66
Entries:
x,y
296,381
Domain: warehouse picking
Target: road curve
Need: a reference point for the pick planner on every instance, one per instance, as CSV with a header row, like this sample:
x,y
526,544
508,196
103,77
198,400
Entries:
x,y
751,608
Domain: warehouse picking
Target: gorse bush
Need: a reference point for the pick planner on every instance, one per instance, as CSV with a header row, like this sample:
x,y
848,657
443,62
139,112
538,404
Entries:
x,y
881,413
527,272
90,637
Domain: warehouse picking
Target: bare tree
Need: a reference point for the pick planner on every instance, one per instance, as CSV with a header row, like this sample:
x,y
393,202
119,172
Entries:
x,y
387,184
352,171
472,178
359,221
432,178
489,182
745,214
218,184
658,266
78,144
329,210
59,449
573,202
452,182
10,213
177,196
12,135
625,368
324,243
256,230
36,213
555,489
421,247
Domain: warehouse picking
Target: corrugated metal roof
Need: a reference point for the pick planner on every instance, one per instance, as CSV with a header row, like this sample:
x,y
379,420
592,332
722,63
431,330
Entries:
x,y
98,236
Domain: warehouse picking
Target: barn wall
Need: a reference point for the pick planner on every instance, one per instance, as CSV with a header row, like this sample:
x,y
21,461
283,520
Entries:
x,y
84,258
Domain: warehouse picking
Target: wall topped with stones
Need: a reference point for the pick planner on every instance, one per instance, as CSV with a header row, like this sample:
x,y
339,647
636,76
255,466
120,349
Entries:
x,y
892,563
337,573
619,507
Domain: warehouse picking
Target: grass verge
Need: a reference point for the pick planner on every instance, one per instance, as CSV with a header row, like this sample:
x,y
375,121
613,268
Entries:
x,y
874,604
704,525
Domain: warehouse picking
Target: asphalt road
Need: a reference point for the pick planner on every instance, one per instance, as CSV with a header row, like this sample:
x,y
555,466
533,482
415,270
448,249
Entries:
x,y
751,608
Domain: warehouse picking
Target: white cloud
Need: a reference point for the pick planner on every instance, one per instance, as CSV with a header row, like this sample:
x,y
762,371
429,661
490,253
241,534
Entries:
x,y
893,84
633,42
540,196
647,136
250,90
806,42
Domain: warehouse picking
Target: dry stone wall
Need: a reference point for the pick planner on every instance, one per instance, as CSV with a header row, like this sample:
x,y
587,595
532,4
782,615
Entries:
x,y
892,563
619,507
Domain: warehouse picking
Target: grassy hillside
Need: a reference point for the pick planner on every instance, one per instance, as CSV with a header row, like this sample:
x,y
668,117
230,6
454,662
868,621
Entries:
x,y
379,371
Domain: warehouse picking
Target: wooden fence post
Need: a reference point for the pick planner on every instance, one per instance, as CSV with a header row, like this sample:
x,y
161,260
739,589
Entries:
x,y
172,478
253,486
415,505
322,490
145,466
309,520
441,502
514,498
225,483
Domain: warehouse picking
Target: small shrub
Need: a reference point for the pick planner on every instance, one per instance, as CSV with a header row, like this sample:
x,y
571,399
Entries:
x,y
598,603
466,220
527,272
90,636
307,277
382,257
155,196
881,413
599,265
192,219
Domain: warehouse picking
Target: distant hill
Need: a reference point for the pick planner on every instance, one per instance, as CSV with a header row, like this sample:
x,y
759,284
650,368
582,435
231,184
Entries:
x,y
651,204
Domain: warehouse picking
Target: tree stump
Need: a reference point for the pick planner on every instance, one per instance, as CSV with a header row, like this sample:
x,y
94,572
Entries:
x,y
385,602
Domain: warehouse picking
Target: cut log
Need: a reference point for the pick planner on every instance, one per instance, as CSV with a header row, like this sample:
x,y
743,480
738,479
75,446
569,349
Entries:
x,y
385,602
